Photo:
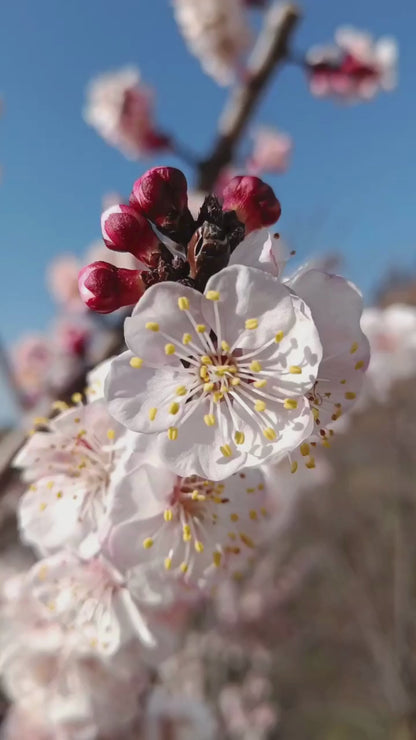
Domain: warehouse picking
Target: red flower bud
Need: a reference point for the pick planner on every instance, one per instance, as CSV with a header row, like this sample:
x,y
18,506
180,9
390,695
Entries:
x,y
253,201
104,288
161,195
126,230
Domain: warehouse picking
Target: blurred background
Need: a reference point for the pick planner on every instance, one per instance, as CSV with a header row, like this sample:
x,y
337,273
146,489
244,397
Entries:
x,y
337,639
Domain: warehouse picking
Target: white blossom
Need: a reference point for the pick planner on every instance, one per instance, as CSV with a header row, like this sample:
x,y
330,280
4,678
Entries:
x,y
218,380
216,32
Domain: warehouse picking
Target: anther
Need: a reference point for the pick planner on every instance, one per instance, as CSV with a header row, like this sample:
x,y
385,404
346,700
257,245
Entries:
x,y
209,420
295,370
226,450
169,349
183,303
174,408
251,323
270,434
290,404
147,543
239,438
255,366
152,326
279,336
212,295
260,406
172,433
136,362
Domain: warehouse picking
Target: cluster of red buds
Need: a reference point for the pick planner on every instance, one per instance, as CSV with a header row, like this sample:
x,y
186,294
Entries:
x,y
157,228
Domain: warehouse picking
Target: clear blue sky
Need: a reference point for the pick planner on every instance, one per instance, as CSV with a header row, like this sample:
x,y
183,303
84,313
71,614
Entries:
x,y
350,186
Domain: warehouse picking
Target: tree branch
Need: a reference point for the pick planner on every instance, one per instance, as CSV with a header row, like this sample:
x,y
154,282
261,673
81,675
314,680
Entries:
x,y
269,52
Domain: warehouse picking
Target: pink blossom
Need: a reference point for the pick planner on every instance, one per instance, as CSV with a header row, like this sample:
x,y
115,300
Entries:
x,y
271,151
356,68
120,108
62,281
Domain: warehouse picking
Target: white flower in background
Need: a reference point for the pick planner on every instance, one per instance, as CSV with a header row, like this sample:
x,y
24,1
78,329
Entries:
x,y
271,151
57,678
392,335
120,108
336,308
354,69
194,530
71,466
216,32
92,598
182,717
220,378
381,55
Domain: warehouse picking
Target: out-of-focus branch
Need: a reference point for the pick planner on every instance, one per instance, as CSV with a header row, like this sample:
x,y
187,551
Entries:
x,y
269,52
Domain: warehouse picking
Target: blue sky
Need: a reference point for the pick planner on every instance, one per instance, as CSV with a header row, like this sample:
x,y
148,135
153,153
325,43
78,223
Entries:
x,y
350,187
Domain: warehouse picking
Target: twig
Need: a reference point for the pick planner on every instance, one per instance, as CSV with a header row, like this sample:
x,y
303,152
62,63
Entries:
x,y
269,52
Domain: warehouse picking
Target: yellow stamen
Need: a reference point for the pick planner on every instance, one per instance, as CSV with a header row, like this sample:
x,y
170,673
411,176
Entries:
x,y
353,347
183,303
111,434
147,543
186,532
305,449
270,434
225,346
209,420
183,567
218,396
259,383
42,506
253,514
216,559
60,406
251,323
239,438
168,563
208,387
279,336
181,390
234,517
152,413
76,398
311,463
136,362
350,395
201,328
152,326
290,404
293,467
255,366
169,349
186,338
295,370
212,295
172,433
358,365
199,547
174,408
168,515
226,450
246,540
260,406
235,381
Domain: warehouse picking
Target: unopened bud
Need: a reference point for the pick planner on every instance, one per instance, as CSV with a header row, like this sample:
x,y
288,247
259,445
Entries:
x,y
126,230
253,201
104,287
161,195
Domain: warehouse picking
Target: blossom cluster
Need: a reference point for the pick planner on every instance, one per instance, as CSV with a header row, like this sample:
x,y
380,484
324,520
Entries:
x,y
355,68
165,479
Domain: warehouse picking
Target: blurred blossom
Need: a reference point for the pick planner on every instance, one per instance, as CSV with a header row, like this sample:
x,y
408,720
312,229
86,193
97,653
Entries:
x,y
271,151
216,32
62,281
31,360
120,108
392,335
246,708
356,68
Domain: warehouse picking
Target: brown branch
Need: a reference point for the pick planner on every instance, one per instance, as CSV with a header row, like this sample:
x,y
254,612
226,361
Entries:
x,y
268,54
